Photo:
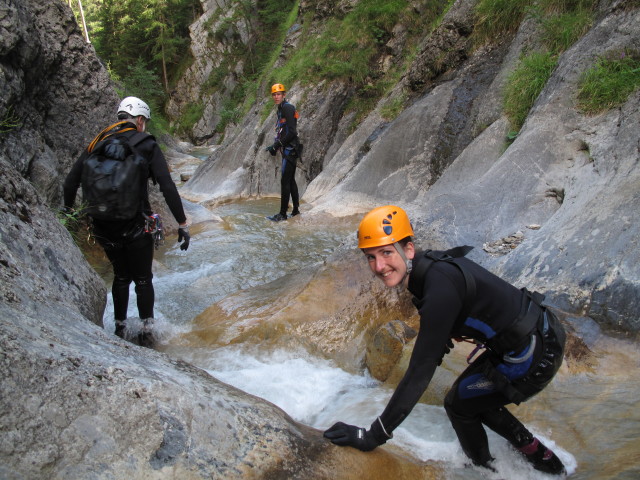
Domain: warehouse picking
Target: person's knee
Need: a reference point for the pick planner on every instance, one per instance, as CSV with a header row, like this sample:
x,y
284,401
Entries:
x,y
450,404
143,281
122,280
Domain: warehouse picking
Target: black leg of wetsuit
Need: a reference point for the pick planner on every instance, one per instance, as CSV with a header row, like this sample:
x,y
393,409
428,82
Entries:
x,y
507,426
471,397
140,257
132,262
120,296
288,186
472,437
121,280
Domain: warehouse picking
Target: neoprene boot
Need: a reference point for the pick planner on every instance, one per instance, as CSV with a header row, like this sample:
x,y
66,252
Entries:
x,y
278,217
120,326
542,458
145,337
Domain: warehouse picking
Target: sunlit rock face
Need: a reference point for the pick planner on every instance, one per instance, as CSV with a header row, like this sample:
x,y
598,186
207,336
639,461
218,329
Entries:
x,y
76,401
384,350
564,188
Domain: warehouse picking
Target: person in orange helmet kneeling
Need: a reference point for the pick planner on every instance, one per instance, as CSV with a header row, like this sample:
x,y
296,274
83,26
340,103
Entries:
x,y
523,343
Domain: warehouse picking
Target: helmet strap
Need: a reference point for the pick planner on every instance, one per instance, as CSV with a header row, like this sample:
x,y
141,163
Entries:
x,y
407,262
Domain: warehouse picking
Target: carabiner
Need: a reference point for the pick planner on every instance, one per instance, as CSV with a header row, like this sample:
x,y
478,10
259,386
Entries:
x,y
473,353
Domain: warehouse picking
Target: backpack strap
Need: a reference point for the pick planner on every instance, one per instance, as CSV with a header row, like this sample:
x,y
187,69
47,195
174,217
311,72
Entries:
x,y
449,256
138,138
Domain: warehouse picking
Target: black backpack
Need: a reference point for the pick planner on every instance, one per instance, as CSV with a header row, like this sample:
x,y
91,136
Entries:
x,y
113,178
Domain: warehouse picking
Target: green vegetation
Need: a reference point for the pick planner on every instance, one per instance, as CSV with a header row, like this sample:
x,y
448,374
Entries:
x,y
610,81
274,18
525,84
145,43
192,114
346,46
349,48
75,221
393,107
494,18
10,120
561,31
155,32
562,23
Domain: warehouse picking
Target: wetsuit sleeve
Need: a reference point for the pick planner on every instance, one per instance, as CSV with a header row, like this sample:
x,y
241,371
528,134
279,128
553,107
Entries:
x,y
160,171
72,181
291,133
438,313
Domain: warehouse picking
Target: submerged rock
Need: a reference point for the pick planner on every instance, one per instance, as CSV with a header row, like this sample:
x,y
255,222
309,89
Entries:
x,y
385,348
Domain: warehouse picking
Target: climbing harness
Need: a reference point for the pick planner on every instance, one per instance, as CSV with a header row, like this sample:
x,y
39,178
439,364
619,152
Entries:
x,y
474,352
153,225
517,336
91,239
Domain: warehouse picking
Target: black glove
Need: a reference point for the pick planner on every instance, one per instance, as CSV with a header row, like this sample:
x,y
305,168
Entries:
x,y
357,437
183,234
272,149
447,348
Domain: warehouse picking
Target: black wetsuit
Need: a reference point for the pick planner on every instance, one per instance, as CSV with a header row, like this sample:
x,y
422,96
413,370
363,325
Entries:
x,y
478,396
287,135
125,242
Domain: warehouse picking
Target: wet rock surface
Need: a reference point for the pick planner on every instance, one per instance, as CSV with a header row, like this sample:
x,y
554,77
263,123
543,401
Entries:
x,y
77,402
54,86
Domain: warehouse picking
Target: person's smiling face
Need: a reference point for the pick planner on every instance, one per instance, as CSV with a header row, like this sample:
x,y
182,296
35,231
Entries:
x,y
387,264
278,97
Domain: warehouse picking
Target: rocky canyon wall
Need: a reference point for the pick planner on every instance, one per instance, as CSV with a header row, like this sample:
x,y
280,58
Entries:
x,y
566,187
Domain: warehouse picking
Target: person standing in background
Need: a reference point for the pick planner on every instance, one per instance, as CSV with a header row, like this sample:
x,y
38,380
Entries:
x,y
286,142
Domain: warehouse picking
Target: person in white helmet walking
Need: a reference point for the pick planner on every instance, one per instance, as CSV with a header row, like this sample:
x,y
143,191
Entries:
x,y
120,214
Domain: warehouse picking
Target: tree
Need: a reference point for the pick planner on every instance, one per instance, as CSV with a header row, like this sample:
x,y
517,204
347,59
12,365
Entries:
x,y
154,32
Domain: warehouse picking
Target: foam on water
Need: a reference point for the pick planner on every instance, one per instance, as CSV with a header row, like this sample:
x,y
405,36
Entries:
x,y
317,393
225,258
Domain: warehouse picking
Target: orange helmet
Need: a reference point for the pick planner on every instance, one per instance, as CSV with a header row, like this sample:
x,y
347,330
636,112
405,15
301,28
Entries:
x,y
384,226
278,87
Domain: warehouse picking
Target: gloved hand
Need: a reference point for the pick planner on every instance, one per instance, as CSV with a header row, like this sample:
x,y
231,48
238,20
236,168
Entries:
x,y
447,348
183,234
352,436
272,149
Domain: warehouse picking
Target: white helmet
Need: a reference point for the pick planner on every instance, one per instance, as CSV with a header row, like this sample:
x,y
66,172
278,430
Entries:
x,y
135,107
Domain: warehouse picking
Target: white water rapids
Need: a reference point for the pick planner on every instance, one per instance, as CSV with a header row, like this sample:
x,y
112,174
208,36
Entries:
x,y
590,418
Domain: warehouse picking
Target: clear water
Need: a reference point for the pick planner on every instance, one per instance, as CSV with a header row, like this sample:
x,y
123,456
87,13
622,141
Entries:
x,y
590,417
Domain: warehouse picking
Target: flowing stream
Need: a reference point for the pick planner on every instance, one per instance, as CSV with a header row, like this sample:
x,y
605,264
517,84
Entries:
x,y
590,415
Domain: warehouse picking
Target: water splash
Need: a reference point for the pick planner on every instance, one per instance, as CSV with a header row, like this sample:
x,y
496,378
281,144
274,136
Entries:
x,y
591,412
